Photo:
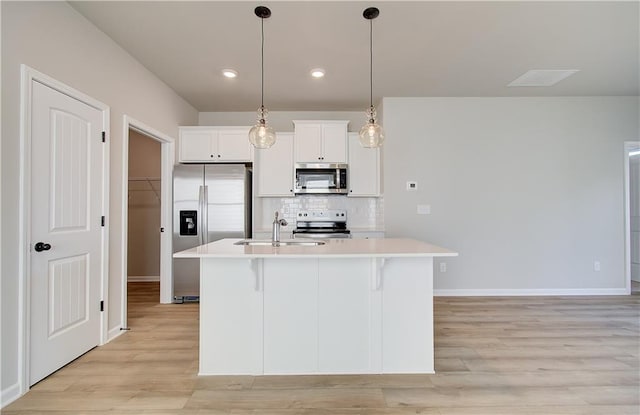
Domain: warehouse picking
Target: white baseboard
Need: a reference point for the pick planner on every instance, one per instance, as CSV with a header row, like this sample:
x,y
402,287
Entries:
x,y
113,333
528,292
143,278
10,394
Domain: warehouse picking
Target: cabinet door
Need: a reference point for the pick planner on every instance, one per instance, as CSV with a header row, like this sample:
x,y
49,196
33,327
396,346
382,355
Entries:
x,y
196,145
233,145
308,143
364,169
344,320
290,316
230,317
334,143
407,317
274,167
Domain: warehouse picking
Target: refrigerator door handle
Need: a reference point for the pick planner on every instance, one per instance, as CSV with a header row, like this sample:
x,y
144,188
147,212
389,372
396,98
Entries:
x,y
201,231
205,215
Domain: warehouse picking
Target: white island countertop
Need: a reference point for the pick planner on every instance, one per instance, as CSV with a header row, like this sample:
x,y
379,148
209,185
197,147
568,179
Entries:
x,y
333,248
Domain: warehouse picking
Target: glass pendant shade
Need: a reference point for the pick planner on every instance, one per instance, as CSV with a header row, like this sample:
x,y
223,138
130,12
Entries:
x,y
371,134
262,135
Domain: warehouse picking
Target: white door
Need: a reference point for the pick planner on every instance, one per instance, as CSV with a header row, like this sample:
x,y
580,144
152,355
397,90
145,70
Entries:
x,y
364,169
274,168
308,143
233,145
334,143
66,230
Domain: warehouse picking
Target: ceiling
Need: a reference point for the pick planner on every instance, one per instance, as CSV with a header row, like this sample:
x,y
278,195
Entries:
x,y
421,48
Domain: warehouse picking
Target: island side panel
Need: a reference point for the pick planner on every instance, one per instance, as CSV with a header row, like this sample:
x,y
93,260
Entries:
x,y
407,315
345,312
230,317
290,316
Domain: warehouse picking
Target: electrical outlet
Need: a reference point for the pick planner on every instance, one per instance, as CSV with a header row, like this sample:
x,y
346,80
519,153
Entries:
x,y
596,266
424,209
443,267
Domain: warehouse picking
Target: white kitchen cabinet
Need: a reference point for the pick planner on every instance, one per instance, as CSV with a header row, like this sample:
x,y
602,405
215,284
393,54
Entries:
x,y
320,141
214,144
274,168
290,316
233,329
345,316
364,169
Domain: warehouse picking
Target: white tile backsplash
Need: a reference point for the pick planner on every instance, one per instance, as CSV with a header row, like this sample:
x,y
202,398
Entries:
x,y
364,213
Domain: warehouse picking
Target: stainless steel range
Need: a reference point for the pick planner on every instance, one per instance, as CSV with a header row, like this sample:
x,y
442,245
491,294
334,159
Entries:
x,y
322,224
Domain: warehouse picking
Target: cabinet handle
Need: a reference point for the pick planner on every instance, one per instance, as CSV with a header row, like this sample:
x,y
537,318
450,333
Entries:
x,y
211,155
218,155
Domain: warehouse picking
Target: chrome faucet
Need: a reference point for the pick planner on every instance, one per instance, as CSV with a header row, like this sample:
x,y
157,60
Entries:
x,y
275,232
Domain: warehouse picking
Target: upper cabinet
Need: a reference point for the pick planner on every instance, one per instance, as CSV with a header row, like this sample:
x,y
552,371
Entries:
x,y
320,141
214,144
274,168
364,169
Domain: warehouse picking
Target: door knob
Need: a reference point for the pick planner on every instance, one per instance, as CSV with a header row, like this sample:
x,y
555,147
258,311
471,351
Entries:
x,y
41,246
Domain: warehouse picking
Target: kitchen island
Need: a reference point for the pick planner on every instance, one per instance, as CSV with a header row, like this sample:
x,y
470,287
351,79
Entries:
x,y
349,306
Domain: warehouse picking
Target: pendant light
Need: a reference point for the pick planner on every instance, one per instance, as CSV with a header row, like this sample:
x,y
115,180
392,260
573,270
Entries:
x,y
371,134
262,135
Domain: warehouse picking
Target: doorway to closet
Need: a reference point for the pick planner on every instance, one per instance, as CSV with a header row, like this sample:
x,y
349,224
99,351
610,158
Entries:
x,y
144,203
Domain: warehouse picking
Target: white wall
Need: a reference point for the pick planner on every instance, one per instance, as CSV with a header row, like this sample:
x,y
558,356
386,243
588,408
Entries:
x,y
529,191
54,39
282,121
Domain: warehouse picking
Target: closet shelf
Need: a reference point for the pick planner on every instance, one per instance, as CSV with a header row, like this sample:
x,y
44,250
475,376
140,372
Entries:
x,y
145,184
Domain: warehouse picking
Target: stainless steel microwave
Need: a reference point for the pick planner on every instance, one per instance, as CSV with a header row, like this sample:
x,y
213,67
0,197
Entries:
x,y
320,178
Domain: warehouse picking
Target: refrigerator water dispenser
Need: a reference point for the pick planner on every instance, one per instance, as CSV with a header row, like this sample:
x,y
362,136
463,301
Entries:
x,y
188,222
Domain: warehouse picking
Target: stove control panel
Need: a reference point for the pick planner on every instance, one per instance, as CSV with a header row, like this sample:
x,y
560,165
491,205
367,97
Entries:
x,y
330,215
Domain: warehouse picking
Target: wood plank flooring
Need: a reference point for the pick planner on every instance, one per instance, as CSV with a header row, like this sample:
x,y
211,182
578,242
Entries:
x,y
500,355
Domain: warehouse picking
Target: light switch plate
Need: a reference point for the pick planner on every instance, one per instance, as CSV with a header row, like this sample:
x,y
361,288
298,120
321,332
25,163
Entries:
x,y
424,209
411,186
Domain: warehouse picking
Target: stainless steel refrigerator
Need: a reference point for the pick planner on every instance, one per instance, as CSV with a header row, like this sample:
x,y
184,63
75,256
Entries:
x,y
210,202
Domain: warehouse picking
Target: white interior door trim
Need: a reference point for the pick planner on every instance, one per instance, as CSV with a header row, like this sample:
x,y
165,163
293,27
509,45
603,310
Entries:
x,y
166,219
29,75
628,146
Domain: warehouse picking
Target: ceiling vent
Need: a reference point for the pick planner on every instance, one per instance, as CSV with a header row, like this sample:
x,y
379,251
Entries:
x,y
543,77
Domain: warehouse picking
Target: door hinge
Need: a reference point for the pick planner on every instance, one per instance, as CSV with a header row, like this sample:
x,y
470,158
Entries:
x,y
104,136
101,305
102,221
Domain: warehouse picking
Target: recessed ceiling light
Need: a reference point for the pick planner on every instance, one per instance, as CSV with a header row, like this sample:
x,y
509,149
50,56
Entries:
x,y
317,73
229,73
543,77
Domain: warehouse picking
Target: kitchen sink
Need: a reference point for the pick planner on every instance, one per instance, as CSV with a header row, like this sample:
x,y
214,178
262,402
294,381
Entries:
x,y
264,242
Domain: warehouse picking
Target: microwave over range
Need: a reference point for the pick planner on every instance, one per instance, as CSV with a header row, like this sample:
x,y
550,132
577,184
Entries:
x,y
320,178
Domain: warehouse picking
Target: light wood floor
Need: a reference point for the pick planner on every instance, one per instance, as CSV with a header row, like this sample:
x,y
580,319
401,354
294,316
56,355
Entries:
x,y
516,355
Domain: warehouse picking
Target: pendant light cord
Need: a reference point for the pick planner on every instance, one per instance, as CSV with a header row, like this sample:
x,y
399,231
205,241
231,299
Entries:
x,y
262,63
371,62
